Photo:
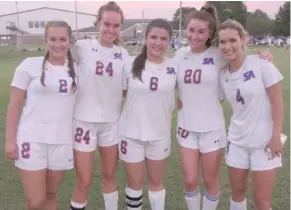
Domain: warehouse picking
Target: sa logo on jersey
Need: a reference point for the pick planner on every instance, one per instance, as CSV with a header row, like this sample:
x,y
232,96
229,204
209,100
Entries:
x,y
117,56
249,75
170,70
208,61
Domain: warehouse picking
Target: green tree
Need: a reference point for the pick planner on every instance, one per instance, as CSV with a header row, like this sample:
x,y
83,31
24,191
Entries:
x,y
258,23
282,22
176,18
230,10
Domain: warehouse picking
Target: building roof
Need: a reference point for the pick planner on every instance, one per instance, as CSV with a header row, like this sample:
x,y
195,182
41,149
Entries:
x,y
49,8
127,24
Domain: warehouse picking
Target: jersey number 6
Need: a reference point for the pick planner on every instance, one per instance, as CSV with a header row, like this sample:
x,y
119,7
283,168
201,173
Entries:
x,y
100,69
196,75
154,83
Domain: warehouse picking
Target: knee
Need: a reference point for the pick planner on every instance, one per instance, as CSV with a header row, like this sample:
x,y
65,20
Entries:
x,y
262,202
135,182
211,181
84,182
156,184
238,192
51,196
190,183
35,203
108,175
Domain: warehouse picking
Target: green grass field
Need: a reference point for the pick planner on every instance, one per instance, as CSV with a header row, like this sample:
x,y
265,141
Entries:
x,y
12,198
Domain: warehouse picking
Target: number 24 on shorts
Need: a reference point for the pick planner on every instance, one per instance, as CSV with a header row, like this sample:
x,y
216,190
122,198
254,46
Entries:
x,y
80,136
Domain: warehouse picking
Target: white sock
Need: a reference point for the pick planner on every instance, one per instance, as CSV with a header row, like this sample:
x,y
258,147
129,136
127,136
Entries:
x,y
238,205
210,202
133,199
111,200
77,206
157,199
193,199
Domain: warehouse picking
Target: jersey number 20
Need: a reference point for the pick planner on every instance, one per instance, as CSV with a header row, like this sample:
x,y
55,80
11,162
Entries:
x,y
100,69
192,76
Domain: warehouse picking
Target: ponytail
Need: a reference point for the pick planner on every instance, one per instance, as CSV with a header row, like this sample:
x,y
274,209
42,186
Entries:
x,y
139,63
42,77
72,72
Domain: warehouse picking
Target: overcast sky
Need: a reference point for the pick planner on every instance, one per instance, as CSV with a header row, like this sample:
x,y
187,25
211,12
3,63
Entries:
x,y
152,9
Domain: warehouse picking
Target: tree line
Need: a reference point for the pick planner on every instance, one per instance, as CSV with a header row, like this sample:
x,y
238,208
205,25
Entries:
x,y
257,23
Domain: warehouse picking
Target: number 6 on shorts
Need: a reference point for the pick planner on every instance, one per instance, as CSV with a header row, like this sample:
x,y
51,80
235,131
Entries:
x,y
123,147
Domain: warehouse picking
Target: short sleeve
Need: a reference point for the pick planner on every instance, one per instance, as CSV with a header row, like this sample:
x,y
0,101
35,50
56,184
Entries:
x,y
221,90
21,77
127,70
180,53
77,50
271,75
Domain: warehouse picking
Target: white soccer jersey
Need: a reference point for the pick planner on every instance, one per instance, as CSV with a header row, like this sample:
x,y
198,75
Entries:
x,y
47,116
147,112
101,81
198,85
251,123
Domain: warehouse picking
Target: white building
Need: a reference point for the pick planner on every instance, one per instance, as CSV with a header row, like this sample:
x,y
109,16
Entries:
x,y
33,21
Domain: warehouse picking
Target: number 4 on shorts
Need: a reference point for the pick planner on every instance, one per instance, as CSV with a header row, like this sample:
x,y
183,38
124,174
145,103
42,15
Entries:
x,y
239,98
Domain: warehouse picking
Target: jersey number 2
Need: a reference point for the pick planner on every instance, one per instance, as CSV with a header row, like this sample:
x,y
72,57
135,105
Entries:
x,y
63,88
239,98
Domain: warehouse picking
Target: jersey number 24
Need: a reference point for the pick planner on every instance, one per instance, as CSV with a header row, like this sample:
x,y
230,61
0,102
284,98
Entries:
x,y
100,69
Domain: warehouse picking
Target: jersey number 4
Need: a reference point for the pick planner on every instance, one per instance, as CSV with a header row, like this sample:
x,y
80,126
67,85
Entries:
x,y
100,69
192,76
239,98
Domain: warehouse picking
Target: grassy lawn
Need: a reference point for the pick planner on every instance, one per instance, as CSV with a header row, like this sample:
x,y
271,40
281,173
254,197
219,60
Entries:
x,y
11,196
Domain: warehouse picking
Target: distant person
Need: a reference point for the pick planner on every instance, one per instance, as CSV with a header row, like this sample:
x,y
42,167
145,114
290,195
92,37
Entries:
x,y
201,126
39,138
145,121
252,87
102,62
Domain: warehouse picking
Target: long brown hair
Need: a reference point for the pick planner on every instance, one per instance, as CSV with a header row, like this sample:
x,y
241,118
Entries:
x,y
71,71
207,14
113,7
140,60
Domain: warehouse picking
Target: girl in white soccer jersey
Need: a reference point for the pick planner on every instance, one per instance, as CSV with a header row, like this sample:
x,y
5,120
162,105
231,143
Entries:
x,y
201,128
145,122
98,107
251,85
39,138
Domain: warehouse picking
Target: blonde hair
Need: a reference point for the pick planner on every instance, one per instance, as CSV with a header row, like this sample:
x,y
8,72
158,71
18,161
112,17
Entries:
x,y
71,72
235,25
113,7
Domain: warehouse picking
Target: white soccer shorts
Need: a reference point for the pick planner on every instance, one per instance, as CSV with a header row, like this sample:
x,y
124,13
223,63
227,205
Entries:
x,y
248,158
87,136
205,142
34,156
134,151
